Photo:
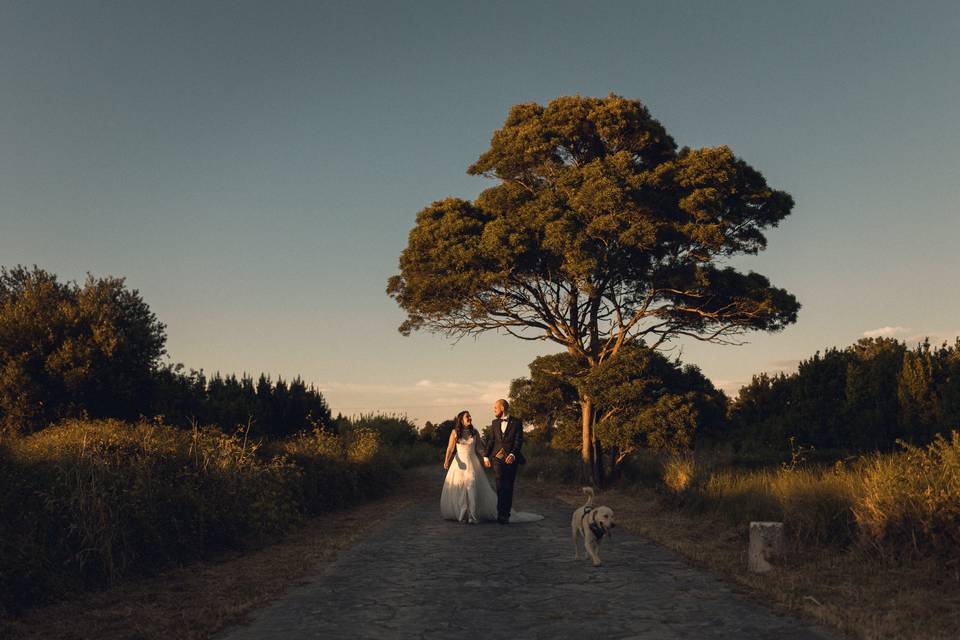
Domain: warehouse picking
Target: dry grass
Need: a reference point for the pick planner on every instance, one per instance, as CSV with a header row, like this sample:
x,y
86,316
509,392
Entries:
x,y
198,600
88,503
847,589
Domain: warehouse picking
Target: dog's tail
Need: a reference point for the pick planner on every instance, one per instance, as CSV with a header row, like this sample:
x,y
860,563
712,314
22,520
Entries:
x,y
589,492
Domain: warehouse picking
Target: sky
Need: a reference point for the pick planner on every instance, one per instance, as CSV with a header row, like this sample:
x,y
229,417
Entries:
x,y
254,168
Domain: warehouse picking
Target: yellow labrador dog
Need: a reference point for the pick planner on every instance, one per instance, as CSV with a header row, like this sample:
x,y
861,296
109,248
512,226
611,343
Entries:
x,y
593,523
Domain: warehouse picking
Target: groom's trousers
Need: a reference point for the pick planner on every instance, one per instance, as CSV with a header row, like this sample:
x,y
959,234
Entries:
x,y
505,475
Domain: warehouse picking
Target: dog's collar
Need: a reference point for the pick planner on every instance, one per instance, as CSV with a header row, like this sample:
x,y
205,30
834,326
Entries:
x,y
598,529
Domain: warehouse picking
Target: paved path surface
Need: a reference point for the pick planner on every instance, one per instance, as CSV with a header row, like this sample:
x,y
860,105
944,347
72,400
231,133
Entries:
x,y
418,576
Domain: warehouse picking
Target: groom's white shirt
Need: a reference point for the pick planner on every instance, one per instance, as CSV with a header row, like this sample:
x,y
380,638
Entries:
x,y
503,420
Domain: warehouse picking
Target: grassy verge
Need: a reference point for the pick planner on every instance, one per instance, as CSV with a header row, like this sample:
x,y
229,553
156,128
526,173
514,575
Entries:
x,y
872,549
195,602
86,504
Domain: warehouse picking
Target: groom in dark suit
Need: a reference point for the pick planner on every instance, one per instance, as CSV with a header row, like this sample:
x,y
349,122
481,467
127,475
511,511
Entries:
x,y
503,454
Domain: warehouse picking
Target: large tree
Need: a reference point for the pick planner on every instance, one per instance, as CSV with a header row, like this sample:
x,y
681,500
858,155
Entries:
x,y
67,349
598,232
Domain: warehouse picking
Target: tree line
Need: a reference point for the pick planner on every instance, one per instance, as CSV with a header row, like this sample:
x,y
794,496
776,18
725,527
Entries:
x,y
96,349
864,397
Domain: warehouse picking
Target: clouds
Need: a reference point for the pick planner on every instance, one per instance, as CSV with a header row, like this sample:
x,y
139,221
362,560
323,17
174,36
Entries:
x,y
885,332
422,400
935,337
729,387
910,336
786,365
732,387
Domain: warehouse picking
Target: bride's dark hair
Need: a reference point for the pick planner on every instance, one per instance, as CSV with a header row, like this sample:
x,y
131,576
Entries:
x,y
458,424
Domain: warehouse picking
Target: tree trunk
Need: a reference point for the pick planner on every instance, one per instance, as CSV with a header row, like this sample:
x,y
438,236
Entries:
x,y
590,454
598,471
586,443
614,467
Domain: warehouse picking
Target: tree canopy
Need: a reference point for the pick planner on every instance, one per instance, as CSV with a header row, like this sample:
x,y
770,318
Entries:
x,y
598,230
66,348
861,398
642,400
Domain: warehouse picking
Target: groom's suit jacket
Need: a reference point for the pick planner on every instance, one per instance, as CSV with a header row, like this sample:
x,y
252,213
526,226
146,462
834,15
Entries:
x,y
508,440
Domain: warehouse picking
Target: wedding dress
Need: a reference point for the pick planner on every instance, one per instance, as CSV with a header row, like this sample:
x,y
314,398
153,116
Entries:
x,y
467,495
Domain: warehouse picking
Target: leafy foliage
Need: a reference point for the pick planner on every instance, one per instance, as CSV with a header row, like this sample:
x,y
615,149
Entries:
x,y
598,229
273,409
642,399
67,349
861,398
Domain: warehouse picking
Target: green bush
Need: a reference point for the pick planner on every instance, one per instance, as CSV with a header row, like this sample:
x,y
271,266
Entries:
x,y
337,472
547,463
84,503
643,467
393,431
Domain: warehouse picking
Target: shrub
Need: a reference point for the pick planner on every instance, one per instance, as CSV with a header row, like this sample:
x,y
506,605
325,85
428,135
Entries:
x,y
546,463
66,349
678,473
643,467
362,444
912,499
84,503
393,431
316,442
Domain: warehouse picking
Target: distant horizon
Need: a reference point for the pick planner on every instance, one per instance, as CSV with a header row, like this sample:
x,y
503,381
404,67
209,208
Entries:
x,y
785,367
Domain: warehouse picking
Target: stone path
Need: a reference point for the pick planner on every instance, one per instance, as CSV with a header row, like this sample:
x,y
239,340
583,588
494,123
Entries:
x,y
418,576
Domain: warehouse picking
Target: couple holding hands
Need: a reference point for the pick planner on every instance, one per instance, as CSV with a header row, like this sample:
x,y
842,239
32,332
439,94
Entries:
x,y
467,495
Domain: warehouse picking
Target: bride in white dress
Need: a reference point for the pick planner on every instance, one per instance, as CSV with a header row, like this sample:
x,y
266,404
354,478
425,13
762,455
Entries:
x,y
467,495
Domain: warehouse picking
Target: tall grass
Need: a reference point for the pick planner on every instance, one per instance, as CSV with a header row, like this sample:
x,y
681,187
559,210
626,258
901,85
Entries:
x,y
904,502
912,499
815,504
84,503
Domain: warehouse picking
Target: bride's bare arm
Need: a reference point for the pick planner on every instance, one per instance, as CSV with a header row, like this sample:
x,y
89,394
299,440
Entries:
x,y
480,447
451,447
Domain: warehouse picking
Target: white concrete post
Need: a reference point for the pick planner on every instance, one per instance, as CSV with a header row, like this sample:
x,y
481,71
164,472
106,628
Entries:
x,y
766,545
